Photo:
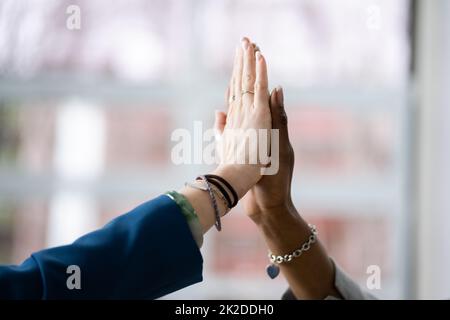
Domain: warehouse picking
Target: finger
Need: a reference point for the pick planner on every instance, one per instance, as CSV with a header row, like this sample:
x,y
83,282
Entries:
x,y
228,94
248,72
237,73
231,94
229,99
279,117
220,121
261,82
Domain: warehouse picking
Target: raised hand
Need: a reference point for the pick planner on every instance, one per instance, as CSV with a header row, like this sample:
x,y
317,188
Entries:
x,y
272,194
248,110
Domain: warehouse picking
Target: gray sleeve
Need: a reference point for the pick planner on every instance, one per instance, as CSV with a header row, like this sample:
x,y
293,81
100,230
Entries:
x,y
348,288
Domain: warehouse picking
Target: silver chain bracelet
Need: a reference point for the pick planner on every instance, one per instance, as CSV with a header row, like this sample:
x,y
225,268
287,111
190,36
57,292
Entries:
x,y
273,270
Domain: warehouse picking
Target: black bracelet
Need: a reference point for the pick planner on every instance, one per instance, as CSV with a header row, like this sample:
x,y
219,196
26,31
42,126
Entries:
x,y
222,191
233,203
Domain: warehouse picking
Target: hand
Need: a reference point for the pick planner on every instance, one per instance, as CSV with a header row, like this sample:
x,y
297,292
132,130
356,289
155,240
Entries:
x,y
248,109
270,206
272,194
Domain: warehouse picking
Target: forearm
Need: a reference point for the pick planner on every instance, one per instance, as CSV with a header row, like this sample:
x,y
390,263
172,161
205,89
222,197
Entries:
x,y
310,276
135,256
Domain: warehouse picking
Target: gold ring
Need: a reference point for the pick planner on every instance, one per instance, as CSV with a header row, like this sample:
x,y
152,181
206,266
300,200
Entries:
x,y
246,91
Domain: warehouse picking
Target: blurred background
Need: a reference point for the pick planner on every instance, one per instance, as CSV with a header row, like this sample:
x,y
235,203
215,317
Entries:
x,y
86,116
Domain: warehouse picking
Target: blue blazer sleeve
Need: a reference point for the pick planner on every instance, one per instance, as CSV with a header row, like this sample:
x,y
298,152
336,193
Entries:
x,y
144,254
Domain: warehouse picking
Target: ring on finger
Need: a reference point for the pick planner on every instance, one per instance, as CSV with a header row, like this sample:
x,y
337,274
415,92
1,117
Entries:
x,y
247,91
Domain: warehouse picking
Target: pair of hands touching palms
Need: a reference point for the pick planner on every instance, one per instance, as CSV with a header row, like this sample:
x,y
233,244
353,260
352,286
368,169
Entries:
x,y
260,110
267,198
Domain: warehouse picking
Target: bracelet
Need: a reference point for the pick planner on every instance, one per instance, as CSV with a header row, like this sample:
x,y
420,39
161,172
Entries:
x,y
217,185
201,185
211,177
222,198
189,213
222,191
218,223
273,269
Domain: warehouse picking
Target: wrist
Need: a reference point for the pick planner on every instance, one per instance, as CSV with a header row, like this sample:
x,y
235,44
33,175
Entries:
x,y
266,214
276,217
241,177
279,228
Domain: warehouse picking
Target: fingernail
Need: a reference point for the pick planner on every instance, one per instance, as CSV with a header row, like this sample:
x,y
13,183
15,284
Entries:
x,y
273,93
258,55
280,96
244,43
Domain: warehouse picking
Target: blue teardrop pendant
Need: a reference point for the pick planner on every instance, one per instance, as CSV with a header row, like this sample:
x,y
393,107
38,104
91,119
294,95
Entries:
x,y
272,270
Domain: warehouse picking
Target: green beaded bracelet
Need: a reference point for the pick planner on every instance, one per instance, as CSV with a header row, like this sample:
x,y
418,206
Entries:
x,y
189,213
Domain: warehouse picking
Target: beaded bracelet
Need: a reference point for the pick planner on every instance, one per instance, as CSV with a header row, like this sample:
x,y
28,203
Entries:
x,y
189,213
221,190
201,185
218,223
214,184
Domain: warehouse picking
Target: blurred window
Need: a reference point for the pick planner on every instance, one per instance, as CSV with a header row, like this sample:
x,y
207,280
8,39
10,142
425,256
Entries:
x,y
86,117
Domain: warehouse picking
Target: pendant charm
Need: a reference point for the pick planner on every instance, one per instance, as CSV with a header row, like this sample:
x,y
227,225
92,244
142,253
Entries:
x,y
272,270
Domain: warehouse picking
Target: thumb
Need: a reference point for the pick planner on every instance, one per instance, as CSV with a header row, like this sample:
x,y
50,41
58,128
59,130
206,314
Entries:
x,y
220,121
